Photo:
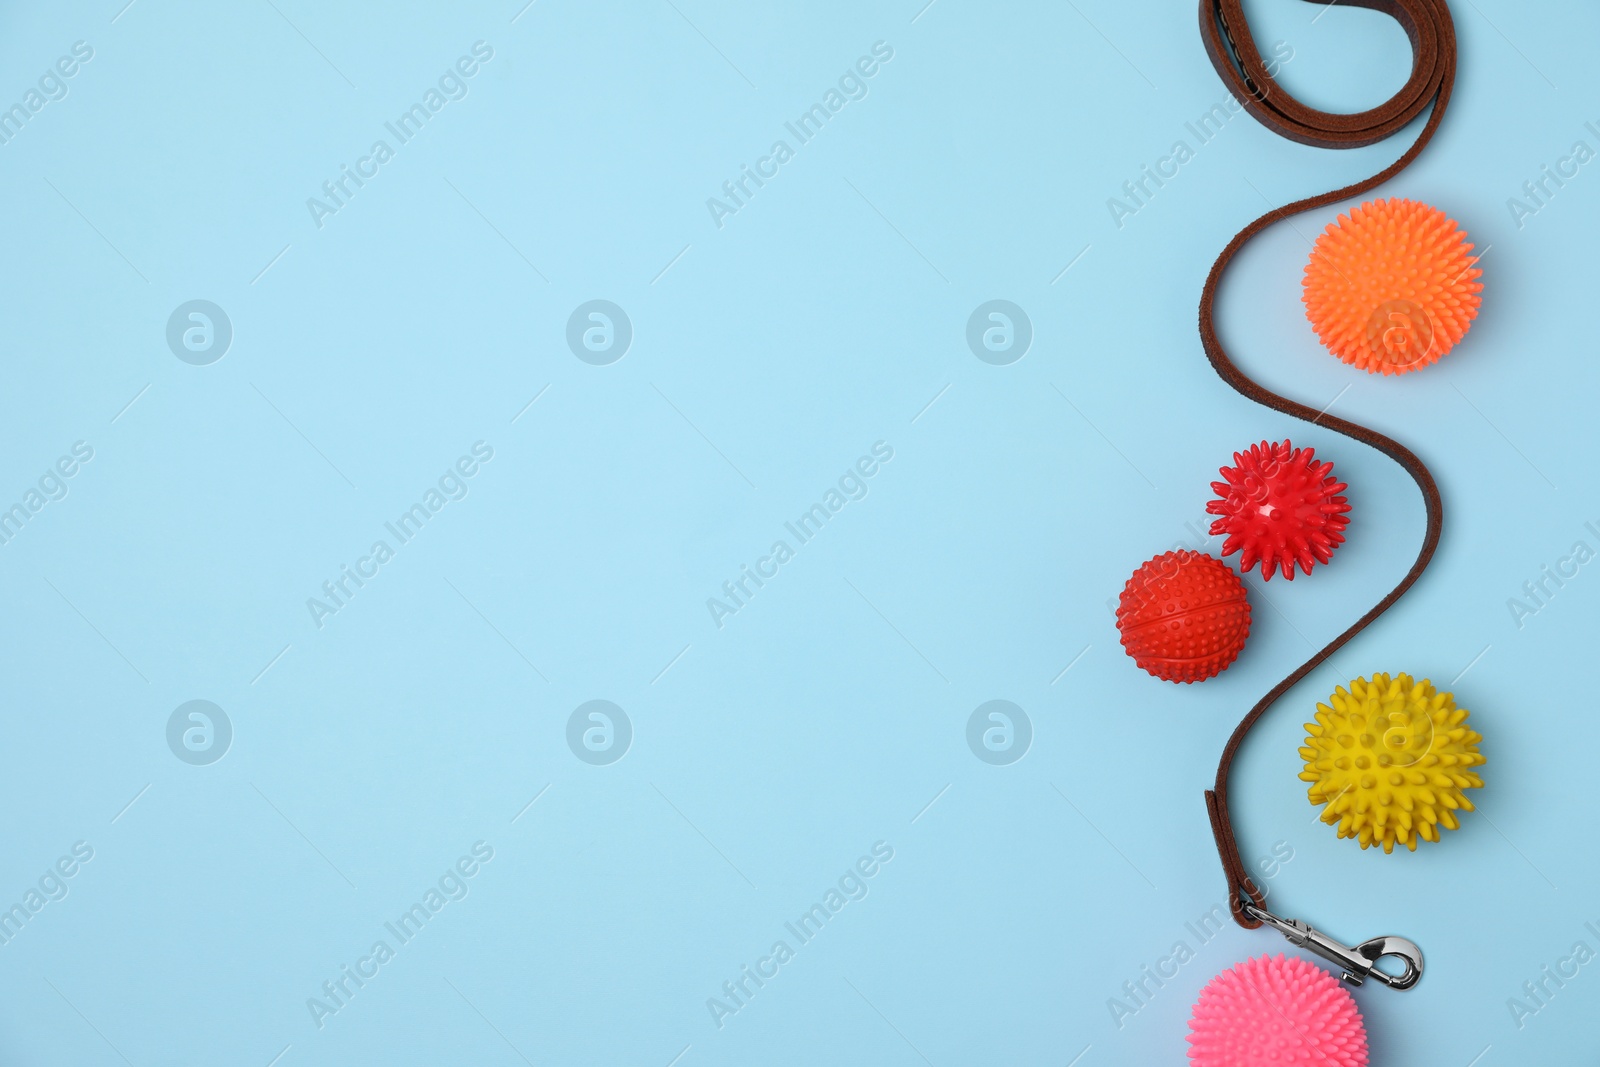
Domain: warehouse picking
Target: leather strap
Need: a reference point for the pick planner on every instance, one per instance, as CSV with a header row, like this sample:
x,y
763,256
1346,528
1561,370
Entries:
x,y
1233,52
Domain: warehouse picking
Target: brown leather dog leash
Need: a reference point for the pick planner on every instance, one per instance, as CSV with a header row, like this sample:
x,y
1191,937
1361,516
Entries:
x,y
1233,52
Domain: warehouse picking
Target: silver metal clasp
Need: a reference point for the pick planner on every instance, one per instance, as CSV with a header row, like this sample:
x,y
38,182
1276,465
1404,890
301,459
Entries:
x,y
1358,963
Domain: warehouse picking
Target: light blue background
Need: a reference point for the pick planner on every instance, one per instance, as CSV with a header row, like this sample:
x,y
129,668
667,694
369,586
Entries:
x,y
769,354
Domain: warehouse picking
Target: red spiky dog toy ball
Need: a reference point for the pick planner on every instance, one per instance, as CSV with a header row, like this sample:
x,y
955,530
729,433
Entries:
x,y
1279,507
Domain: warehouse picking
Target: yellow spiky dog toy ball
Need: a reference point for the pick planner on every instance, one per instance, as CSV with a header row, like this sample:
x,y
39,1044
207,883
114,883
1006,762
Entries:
x,y
1390,760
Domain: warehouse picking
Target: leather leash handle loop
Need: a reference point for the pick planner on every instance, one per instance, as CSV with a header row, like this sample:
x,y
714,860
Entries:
x,y
1228,41
1226,34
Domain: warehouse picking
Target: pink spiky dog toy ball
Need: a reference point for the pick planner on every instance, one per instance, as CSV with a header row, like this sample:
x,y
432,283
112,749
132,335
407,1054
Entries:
x,y
1274,1011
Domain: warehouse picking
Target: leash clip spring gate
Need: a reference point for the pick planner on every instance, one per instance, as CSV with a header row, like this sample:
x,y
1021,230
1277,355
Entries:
x,y
1358,963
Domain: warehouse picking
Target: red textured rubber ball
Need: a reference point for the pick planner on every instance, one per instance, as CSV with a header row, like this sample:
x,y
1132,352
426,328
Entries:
x,y
1184,616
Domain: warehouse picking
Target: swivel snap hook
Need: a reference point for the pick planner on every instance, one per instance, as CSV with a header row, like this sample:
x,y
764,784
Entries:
x,y
1358,963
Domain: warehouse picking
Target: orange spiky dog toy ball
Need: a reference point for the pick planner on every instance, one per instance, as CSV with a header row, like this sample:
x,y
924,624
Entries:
x,y
1392,286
